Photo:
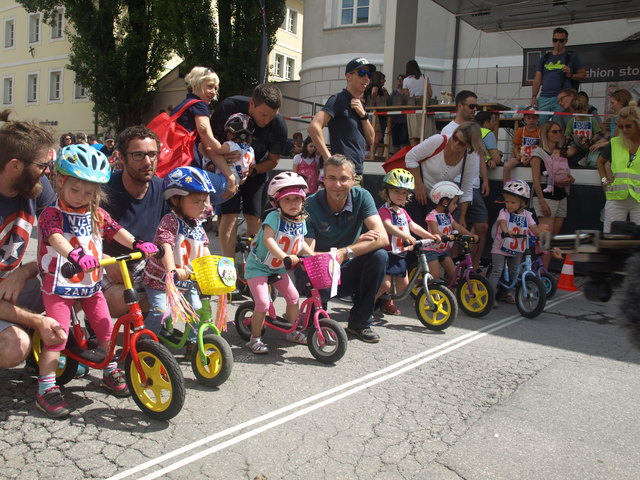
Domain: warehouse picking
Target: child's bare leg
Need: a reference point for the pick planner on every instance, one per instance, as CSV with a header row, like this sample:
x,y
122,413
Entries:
x,y
449,267
385,287
257,321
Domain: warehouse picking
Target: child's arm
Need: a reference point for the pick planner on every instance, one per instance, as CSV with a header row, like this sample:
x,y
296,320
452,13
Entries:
x,y
268,237
123,237
77,256
307,249
392,230
422,233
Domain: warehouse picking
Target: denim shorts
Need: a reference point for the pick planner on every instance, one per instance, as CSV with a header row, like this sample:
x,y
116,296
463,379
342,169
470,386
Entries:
x,y
433,255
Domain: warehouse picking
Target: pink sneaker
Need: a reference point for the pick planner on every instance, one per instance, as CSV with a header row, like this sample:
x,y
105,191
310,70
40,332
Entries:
x,y
52,403
115,383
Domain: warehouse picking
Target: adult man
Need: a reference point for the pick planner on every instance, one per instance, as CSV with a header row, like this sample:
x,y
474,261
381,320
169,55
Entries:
x,y
25,153
474,214
555,71
269,140
109,146
349,127
337,214
134,200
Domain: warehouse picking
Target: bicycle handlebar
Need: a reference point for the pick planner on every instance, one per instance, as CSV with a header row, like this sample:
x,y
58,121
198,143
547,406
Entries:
x,y
69,269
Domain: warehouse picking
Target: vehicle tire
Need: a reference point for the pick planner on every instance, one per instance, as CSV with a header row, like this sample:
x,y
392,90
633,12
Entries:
x,y
550,284
64,374
415,291
219,361
163,396
480,301
532,303
597,291
445,308
335,341
242,320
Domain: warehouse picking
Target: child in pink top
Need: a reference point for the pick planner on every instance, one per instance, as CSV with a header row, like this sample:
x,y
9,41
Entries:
x,y
308,164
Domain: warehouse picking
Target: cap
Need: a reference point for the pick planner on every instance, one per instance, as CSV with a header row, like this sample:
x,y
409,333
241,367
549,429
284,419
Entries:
x,y
359,62
287,191
108,137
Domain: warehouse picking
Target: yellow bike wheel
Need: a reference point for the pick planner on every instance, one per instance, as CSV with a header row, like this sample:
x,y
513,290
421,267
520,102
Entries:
x,y
476,296
415,291
443,312
214,369
162,397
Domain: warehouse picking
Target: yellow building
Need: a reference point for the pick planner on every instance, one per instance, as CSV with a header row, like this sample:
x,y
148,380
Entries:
x,y
36,84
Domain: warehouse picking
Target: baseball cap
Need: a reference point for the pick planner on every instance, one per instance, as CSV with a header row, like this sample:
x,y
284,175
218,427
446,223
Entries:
x,y
108,137
357,63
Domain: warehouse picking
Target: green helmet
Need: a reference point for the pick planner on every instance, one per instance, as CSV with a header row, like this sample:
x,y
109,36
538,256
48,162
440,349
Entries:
x,y
399,178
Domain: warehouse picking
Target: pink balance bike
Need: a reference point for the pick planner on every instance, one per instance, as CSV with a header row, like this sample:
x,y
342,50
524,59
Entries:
x,y
326,339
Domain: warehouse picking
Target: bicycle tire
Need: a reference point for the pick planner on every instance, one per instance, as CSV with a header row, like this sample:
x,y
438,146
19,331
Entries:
x,y
533,303
415,290
446,308
480,302
219,361
163,396
336,341
550,284
243,326
64,374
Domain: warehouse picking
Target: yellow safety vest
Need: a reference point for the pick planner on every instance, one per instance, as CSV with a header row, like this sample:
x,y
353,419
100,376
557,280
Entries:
x,y
485,132
626,175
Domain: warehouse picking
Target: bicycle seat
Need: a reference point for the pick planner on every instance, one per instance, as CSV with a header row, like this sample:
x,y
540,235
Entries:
x,y
276,277
95,355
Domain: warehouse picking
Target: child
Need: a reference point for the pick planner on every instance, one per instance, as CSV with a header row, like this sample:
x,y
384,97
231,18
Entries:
x,y
282,235
582,132
525,141
512,219
71,230
239,128
397,186
180,232
557,170
440,221
308,164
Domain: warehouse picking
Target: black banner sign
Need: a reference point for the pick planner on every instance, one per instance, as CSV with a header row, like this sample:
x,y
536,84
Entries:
x,y
604,62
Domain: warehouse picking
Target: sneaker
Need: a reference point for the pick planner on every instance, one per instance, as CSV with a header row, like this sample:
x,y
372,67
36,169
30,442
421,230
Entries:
x,y
365,334
115,383
297,337
52,403
390,308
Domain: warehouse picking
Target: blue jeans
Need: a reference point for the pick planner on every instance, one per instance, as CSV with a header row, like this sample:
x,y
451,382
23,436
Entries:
x,y
158,306
548,104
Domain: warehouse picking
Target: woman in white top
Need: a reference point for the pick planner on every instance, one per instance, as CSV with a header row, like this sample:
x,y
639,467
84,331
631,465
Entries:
x,y
434,161
413,85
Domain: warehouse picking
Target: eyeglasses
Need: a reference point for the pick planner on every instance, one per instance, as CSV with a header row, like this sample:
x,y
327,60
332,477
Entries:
x,y
460,142
341,180
140,156
561,40
557,130
362,72
67,138
472,106
563,97
625,126
41,165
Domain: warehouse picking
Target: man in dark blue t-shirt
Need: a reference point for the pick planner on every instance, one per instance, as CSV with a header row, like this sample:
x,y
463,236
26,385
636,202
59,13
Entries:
x,y
134,200
24,193
349,127
269,139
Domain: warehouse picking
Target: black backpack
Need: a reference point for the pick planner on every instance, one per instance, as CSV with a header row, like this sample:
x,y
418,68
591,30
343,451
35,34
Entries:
x,y
575,84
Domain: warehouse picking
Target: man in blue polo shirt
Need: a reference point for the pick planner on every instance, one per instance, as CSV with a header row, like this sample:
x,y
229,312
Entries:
x,y
336,217
349,127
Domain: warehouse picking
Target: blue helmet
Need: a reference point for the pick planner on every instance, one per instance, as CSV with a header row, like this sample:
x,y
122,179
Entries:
x,y
84,162
185,180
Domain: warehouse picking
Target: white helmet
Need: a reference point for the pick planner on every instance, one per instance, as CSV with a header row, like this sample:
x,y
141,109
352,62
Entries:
x,y
284,180
519,188
444,190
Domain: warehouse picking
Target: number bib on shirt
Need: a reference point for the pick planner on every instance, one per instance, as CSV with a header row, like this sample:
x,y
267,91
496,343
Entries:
x,y
582,128
246,160
528,145
289,238
444,228
76,228
517,224
189,246
398,220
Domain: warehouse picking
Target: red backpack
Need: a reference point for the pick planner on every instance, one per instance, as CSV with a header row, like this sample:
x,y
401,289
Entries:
x,y
397,161
176,143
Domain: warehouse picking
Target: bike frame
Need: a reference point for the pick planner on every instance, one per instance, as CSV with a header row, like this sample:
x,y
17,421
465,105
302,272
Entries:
x,y
525,267
464,269
423,269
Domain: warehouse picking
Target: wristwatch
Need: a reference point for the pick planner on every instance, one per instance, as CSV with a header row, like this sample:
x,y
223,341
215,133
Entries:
x,y
350,254
364,117
604,180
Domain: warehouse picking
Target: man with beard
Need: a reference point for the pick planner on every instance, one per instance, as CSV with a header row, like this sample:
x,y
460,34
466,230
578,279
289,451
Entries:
x,y
25,152
349,127
134,200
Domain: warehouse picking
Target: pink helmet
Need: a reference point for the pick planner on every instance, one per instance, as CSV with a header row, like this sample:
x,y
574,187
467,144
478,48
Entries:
x,y
286,180
519,188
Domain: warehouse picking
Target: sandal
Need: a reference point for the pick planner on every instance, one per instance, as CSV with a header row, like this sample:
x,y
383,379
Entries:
x,y
297,337
257,346
508,298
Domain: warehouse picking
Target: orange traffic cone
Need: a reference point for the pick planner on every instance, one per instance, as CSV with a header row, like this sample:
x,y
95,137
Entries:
x,y
566,276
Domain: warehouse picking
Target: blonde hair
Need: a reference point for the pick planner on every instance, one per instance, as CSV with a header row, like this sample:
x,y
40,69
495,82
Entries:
x,y
199,76
472,135
97,220
579,104
546,145
632,113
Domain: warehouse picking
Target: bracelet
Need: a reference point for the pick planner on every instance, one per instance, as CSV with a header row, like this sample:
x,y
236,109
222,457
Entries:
x,y
364,117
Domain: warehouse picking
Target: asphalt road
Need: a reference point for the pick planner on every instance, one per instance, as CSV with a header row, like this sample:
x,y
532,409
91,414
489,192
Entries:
x,y
501,397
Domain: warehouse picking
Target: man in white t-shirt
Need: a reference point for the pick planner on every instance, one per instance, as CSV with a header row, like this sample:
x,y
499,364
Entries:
x,y
472,215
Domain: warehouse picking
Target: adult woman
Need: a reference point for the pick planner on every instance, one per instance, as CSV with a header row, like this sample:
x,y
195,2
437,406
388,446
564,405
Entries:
x,y
202,84
550,207
413,85
618,99
622,187
374,91
439,158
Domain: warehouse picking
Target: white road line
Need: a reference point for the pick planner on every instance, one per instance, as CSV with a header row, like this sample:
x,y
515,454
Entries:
x,y
353,386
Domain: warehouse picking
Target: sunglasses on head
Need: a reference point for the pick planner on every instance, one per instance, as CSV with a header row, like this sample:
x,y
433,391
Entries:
x,y
362,72
561,40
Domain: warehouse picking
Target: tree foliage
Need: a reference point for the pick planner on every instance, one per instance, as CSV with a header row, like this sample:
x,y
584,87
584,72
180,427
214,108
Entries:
x,y
119,47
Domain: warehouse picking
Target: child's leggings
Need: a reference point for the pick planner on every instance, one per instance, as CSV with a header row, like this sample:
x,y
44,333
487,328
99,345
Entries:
x,y
260,291
95,309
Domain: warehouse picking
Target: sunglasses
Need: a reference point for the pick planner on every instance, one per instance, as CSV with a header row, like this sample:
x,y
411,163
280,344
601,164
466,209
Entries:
x,y
473,106
555,131
561,40
460,142
362,72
